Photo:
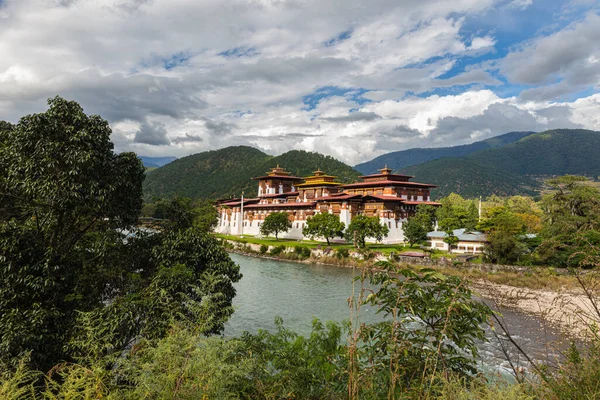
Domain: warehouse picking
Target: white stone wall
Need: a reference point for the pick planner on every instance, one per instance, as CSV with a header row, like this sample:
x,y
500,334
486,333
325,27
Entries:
x,y
233,226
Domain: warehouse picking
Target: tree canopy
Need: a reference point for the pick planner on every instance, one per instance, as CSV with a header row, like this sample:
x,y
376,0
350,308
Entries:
x,y
362,227
414,231
275,223
324,225
571,221
75,277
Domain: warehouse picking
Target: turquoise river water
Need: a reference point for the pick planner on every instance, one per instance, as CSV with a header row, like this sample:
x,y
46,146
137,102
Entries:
x,y
300,292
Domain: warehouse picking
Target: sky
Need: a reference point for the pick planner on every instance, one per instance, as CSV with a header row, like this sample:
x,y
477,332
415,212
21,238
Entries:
x,y
348,78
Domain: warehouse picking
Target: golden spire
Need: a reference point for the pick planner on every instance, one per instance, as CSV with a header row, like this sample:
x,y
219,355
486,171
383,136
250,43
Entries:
x,y
385,170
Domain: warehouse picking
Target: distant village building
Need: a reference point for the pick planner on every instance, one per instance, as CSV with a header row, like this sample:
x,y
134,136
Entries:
x,y
390,197
469,242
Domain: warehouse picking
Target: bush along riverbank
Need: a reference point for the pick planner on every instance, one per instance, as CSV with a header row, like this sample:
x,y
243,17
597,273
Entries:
x,y
555,295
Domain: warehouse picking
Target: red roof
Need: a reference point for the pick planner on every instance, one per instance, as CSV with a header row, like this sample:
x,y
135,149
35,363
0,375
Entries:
x,y
282,205
431,203
295,178
387,183
379,175
238,201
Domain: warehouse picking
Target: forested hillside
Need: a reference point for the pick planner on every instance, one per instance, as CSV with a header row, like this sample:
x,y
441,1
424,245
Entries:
x,y
554,152
226,172
406,158
512,169
469,179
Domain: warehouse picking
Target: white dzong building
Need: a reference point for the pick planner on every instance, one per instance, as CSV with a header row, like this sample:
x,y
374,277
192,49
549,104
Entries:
x,y
390,197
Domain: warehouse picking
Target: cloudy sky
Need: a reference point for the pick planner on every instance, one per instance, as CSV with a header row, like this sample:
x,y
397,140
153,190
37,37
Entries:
x,y
349,78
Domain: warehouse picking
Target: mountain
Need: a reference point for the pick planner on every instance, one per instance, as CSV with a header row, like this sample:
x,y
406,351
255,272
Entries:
x,y
156,162
406,158
226,172
553,152
514,168
470,179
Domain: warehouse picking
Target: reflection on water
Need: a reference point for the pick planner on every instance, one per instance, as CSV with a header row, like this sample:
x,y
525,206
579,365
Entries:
x,y
300,292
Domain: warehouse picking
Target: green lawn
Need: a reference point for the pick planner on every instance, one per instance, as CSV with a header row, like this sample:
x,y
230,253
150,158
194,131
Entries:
x,y
270,241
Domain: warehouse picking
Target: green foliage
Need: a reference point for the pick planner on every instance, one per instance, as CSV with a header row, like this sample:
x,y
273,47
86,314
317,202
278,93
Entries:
x,y
263,248
414,231
342,253
553,152
277,250
227,172
362,227
77,282
183,213
298,367
450,239
457,213
186,366
19,383
426,215
571,221
432,325
503,248
275,223
406,158
470,178
324,225
507,170
63,192
302,252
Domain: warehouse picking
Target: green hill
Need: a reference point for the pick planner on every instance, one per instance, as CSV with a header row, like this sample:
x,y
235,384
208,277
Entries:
x,y
513,168
406,158
469,179
226,172
554,152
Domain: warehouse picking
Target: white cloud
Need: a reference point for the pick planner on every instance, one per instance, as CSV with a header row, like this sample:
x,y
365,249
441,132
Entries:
x,y
177,77
558,64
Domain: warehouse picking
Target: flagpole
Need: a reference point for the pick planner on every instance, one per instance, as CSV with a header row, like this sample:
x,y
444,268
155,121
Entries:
x,y
242,212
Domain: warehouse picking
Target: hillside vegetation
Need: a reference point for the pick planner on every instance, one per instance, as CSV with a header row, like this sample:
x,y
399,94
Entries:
x,y
512,169
469,179
554,152
406,158
226,172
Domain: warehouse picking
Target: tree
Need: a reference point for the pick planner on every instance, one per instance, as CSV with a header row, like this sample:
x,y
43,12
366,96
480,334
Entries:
x,y
275,223
324,225
451,240
362,227
183,213
432,325
457,213
426,215
503,248
73,281
504,231
414,231
571,221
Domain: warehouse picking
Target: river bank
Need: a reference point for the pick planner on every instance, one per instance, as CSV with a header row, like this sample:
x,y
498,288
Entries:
x,y
557,298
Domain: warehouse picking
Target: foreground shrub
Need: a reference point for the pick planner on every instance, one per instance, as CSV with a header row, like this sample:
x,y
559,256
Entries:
x,y
263,249
277,250
342,253
303,252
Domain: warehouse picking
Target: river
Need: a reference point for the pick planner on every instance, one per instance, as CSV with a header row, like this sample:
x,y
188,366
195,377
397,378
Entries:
x,y
299,292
